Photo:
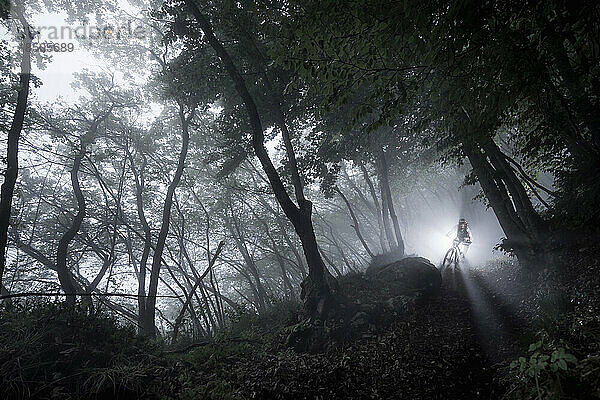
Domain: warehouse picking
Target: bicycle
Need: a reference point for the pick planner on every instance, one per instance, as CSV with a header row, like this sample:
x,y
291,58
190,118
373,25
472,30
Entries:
x,y
453,256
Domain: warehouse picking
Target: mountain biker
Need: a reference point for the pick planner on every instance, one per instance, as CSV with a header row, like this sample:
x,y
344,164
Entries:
x,y
463,235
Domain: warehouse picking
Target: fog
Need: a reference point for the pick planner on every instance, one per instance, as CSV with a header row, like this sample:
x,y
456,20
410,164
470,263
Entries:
x,y
432,216
247,199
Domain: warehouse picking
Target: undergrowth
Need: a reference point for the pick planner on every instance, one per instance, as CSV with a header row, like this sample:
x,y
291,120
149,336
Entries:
x,y
388,342
564,361
50,351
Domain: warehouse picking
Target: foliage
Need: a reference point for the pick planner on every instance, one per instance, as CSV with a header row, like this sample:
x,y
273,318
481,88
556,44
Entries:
x,y
566,329
381,355
543,368
49,351
456,73
390,343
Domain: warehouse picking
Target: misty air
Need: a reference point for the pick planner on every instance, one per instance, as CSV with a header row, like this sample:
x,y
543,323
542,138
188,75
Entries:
x,y
299,199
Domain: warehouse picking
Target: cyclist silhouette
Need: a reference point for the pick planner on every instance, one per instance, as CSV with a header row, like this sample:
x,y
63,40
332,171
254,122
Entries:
x,y
463,235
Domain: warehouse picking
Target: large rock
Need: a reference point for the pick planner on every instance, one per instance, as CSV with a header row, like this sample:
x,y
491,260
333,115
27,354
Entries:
x,y
410,274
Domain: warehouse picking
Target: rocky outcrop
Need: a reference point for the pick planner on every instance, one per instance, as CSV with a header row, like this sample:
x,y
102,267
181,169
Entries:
x,y
411,274
367,303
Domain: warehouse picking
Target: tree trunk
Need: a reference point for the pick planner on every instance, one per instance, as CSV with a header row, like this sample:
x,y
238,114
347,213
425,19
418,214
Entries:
x,y
380,223
315,290
390,203
520,238
108,259
12,151
287,284
385,217
331,264
283,229
359,193
356,225
530,217
249,262
148,327
394,237
65,276
139,201
188,299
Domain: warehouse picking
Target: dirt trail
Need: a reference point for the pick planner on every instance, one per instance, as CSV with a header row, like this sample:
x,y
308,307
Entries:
x,y
494,316
448,347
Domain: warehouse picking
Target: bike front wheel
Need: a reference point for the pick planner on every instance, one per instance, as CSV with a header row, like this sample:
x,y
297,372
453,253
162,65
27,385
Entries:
x,y
456,260
449,258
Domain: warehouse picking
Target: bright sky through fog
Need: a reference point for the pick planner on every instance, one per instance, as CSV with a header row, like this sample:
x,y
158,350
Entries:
x,y
58,73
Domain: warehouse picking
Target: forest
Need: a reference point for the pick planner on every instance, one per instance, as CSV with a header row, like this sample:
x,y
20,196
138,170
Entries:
x,y
300,199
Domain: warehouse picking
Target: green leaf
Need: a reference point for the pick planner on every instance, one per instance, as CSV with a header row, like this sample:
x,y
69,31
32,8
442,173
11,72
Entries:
x,y
535,346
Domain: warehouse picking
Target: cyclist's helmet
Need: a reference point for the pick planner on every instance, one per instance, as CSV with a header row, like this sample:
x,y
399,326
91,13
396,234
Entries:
x,y
462,222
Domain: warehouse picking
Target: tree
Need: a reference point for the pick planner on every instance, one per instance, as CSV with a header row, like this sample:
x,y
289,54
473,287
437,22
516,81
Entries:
x,y
12,155
316,291
148,328
397,67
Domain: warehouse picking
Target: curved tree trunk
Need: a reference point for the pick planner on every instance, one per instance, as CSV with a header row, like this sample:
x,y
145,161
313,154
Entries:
x,y
65,276
287,283
388,212
390,202
385,217
315,290
139,201
380,221
261,295
525,239
284,232
356,225
530,217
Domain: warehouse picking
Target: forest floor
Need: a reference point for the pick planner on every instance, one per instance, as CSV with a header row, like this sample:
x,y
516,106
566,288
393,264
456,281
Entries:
x,y
454,346
457,345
